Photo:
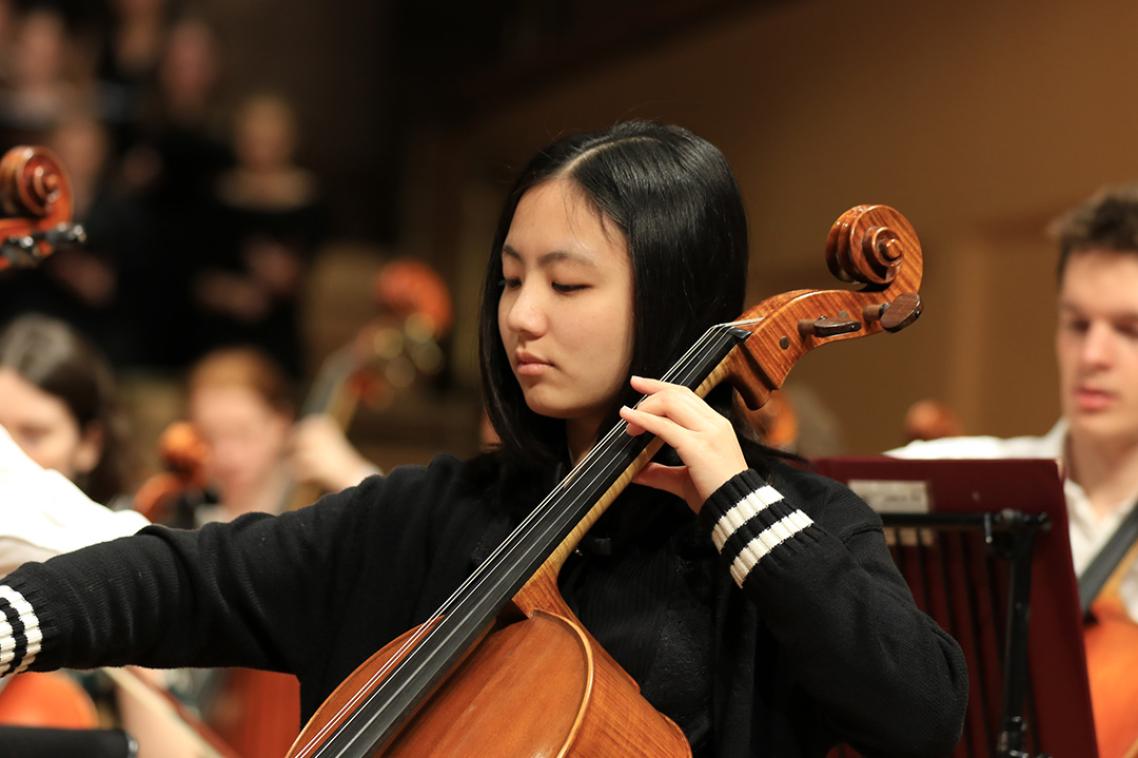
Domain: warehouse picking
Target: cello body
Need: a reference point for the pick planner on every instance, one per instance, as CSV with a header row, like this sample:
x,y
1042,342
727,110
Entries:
x,y
1112,660
47,699
565,694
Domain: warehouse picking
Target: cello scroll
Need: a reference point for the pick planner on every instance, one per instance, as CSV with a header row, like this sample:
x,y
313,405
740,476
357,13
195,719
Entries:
x,y
871,244
35,197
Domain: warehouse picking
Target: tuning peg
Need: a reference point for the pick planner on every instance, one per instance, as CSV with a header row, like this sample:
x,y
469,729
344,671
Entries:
x,y
66,234
903,311
20,251
824,326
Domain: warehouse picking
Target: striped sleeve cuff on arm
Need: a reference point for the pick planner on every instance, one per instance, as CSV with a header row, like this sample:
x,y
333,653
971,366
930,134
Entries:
x,y
749,519
20,633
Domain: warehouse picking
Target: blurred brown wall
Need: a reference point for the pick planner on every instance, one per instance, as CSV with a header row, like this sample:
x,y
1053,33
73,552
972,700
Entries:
x,y
979,121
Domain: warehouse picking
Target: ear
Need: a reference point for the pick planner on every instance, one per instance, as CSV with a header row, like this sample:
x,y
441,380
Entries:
x,y
90,448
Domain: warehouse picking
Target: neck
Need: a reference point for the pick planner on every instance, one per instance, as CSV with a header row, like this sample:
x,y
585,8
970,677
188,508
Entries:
x,y
1107,470
263,496
580,435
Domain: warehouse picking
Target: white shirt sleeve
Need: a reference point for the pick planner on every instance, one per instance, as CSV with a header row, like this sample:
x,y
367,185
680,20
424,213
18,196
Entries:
x,y
43,514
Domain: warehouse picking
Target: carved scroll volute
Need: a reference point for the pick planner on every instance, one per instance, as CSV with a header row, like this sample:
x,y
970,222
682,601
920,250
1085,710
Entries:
x,y
33,185
36,206
870,244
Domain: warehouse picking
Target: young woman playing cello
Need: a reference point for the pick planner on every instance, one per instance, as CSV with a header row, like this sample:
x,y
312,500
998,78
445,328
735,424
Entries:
x,y
614,251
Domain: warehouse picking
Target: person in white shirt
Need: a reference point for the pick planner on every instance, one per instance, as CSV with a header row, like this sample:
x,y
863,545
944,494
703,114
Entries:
x,y
1096,346
58,444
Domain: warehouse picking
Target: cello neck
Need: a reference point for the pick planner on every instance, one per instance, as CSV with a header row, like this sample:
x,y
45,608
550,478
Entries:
x,y
330,395
1107,568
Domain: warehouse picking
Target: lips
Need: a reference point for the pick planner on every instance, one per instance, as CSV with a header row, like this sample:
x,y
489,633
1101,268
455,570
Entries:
x,y
529,364
1093,399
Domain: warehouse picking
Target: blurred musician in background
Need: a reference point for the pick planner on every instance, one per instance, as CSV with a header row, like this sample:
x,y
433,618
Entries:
x,y
240,402
242,405
61,455
1096,346
57,404
1096,441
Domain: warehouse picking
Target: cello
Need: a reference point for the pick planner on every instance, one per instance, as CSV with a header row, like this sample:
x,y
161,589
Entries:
x,y
1110,636
503,665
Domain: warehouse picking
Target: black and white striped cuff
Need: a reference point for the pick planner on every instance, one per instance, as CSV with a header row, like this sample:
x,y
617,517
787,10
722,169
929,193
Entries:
x,y
20,634
749,519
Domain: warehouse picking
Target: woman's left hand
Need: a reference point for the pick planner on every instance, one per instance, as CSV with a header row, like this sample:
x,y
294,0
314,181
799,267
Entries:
x,y
704,440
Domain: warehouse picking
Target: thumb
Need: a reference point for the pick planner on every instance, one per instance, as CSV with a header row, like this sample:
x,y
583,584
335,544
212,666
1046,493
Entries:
x,y
671,479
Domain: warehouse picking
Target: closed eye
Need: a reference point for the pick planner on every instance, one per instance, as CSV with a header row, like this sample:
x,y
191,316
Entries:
x,y
566,288
510,282
1076,325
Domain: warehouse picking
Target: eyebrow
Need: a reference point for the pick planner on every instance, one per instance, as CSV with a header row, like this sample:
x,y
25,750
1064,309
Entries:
x,y
553,256
1073,308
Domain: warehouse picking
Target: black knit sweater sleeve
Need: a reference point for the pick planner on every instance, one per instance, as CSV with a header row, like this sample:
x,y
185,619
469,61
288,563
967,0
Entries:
x,y
261,591
812,557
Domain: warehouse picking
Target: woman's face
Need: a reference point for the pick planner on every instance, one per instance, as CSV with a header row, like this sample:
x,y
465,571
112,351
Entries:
x,y
565,314
44,428
245,435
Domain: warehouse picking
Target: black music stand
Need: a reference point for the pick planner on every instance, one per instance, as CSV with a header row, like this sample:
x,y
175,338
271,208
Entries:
x,y
983,545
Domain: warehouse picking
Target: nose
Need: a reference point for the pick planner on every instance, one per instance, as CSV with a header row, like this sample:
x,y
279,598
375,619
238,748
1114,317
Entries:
x,y
524,311
1098,345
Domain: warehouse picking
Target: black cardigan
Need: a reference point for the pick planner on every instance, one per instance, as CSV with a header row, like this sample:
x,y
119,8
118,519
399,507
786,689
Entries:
x,y
821,643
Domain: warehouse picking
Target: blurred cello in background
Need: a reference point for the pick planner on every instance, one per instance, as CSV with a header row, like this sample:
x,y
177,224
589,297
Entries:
x,y
35,197
1111,639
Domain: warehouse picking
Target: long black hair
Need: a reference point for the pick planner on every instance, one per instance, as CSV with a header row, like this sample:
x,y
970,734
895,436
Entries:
x,y
672,195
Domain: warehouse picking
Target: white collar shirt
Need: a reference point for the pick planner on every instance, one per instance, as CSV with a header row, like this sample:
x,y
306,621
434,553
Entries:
x,y
1089,530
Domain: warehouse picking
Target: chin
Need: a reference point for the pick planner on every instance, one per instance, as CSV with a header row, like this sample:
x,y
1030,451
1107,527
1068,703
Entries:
x,y
1105,427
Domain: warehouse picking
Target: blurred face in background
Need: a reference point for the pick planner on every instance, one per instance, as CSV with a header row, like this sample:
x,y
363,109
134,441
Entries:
x,y
265,134
189,66
42,425
246,436
40,47
1097,346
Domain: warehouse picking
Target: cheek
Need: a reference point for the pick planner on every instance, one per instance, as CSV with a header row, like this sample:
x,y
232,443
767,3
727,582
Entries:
x,y
1066,355
56,450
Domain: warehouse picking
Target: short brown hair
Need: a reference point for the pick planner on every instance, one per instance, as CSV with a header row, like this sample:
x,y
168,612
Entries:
x,y
1108,220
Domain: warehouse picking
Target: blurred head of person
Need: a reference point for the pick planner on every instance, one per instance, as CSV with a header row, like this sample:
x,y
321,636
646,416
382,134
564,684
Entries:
x,y
82,144
1096,342
265,133
57,400
7,22
241,403
40,51
188,69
